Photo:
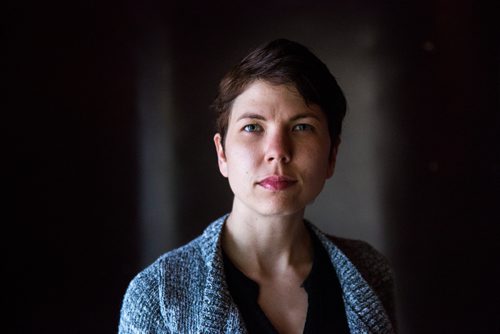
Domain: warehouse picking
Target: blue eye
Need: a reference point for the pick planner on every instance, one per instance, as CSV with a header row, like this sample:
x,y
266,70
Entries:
x,y
302,127
252,128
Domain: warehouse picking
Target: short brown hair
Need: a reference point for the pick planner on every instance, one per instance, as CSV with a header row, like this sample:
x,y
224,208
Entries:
x,y
283,62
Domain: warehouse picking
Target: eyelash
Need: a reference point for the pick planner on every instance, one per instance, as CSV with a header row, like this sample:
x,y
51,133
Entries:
x,y
257,128
306,127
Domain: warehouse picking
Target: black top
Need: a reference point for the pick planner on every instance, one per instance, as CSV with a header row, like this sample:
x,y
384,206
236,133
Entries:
x,y
325,312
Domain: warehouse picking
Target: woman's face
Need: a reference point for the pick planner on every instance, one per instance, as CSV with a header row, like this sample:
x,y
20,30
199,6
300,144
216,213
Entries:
x,y
276,153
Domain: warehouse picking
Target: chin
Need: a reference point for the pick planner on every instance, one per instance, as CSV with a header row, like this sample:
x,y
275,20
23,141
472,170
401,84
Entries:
x,y
274,205
271,210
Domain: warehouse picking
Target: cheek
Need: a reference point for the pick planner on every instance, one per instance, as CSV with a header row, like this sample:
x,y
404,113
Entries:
x,y
317,162
317,153
241,159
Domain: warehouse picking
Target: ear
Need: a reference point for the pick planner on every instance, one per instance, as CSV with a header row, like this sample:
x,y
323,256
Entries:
x,y
221,156
333,158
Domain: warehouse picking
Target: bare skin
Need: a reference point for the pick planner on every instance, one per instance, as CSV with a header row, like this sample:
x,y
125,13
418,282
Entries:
x,y
278,260
277,156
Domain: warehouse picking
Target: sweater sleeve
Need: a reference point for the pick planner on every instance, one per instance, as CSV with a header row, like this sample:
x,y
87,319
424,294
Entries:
x,y
140,312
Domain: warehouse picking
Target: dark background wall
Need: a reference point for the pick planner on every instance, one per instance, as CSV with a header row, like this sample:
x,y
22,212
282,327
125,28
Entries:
x,y
109,146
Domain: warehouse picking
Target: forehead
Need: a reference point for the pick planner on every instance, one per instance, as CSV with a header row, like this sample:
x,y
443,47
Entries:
x,y
273,101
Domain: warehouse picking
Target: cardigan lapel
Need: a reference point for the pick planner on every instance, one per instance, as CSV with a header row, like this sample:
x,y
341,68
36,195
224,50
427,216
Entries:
x,y
365,312
219,313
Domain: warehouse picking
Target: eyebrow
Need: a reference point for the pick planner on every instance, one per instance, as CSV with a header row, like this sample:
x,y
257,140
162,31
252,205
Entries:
x,y
305,115
262,118
252,116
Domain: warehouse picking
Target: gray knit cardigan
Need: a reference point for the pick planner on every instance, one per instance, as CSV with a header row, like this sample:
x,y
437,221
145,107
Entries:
x,y
185,290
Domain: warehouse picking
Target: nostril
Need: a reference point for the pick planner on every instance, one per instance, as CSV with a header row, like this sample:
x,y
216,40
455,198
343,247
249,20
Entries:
x,y
285,159
281,158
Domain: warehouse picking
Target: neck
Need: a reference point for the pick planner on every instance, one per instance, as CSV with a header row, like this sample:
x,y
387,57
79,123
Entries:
x,y
266,245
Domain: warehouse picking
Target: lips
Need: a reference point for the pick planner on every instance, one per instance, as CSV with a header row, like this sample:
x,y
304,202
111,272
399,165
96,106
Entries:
x,y
277,182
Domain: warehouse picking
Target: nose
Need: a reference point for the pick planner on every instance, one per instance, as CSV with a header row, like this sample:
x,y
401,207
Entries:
x,y
279,148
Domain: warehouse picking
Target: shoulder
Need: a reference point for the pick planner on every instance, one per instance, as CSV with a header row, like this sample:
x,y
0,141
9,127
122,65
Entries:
x,y
373,266
140,307
167,296
178,269
154,294
181,260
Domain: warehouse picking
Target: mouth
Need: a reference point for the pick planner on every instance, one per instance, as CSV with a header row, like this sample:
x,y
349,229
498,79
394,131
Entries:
x,y
277,182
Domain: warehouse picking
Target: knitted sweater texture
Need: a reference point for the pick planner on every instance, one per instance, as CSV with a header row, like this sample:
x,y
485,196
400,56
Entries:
x,y
185,291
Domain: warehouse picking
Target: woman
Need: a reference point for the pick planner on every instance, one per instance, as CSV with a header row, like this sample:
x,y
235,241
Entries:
x,y
262,268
